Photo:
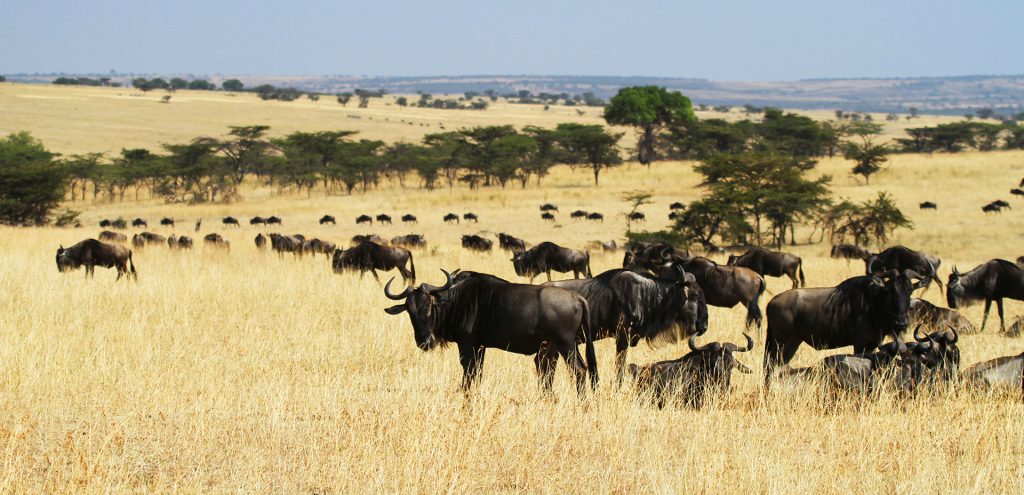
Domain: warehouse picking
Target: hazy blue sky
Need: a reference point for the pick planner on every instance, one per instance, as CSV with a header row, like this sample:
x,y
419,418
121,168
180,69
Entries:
x,y
721,40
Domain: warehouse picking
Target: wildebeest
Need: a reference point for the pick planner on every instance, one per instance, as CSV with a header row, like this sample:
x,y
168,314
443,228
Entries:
x,y
677,206
928,205
361,219
637,216
903,258
314,246
939,352
107,235
361,238
230,221
772,263
286,244
1017,192
217,241
850,252
578,215
860,311
261,242
451,217
548,207
257,221
989,281
146,238
409,218
934,318
547,217
370,257
199,223
104,223
183,242
481,312
272,220
409,241
382,219
167,221
510,243
119,224
991,208
90,253
1001,372
704,369
470,217
138,222
474,242
596,217
858,373
674,215
548,256
1000,203
327,219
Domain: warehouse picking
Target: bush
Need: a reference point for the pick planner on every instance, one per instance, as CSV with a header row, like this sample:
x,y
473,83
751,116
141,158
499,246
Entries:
x,y
31,183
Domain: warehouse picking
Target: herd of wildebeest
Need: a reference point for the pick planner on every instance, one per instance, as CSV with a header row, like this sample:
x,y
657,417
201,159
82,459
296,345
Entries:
x,y
661,294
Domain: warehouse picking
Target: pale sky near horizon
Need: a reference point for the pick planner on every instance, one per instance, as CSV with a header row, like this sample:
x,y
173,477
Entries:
x,y
720,40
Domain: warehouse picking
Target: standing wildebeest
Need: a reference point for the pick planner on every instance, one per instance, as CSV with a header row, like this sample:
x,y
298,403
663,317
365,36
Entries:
x,y
257,221
935,319
107,235
991,281
547,216
1001,372
272,220
578,215
470,217
451,217
548,207
104,223
327,219
771,263
261,242
859,311
548,256
138,222
217,241
382,219
286,244
91,252
146,238
199,223
409,241
991,208
902,258
119,224
314,246
677,206
230,221
409,218
476,243
1002,204
1017,192
928,205
183,242
480,312
510,243
361,238
596,217
361,219
637,216
370,257
704,369
850,252
167,221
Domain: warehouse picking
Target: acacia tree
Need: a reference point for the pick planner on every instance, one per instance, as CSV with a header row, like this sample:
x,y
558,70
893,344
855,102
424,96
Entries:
x,y
590,145
32,184
649,108
867,156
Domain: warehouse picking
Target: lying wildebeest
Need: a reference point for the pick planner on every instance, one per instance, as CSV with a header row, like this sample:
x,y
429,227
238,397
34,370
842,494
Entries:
x,y
217,241
409,241
286,244
991,281
1017,192
630,307
939,352
771,263
90,253
934,318
327,219
272,220
482,311
596,217
548,256
107,235
470,217
850,252
361,238
928,205
476,243
370,257
902,258
578,215
1001,372
705,369
895,363
361,219
138,222
167,221
382,219
314,246
677,206
547,216
451,217
104,223
146,238
510,243
859,311
261,242
548,207
257,221
230,221
637,216
409,218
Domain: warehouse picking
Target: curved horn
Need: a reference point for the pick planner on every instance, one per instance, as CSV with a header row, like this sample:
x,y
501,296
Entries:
x,y
923,347
955,271
956,336
693,347
395,297
447,284
913,274
666,253
900,346
749,347
922,337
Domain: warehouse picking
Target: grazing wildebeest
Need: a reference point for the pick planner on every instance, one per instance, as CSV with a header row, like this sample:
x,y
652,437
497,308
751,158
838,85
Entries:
x,y
510,243
480,312
1017,192
677,206
261,242
217,241
630,307
185,242
860,311
451,217
548,207
1001,372
107,235
370,257
991,208
167,221
104,223
934,318
596,217
991,281
327,219
470,217
230,221
138,222
382,219
902,258
704,369
637,216
547,217
361,219
409,241
548,256
772,263
409,218
286,244
928,205
146,238
476,243
91,253
850,252
272,220
578,215
361,238
314,246
119,224
257,221
1000,203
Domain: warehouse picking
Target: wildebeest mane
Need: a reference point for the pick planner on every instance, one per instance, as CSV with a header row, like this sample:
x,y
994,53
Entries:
x,y
848,298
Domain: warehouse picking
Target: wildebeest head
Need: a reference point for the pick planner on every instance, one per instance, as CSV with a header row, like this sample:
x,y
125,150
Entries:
x,y
717,360
422,305
65,263
694,316
889,298
939,350
955,290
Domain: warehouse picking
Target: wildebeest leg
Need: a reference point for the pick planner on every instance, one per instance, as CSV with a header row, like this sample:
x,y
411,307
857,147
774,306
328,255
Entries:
x,y
574,361
549,275
984,317
90,271
472,360
999,307
546,361
375,277
621,348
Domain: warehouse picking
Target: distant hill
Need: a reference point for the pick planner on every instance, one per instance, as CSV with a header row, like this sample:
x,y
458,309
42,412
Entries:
x,y
941,95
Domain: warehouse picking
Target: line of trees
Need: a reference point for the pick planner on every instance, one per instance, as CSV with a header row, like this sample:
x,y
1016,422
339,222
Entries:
x,y
963,136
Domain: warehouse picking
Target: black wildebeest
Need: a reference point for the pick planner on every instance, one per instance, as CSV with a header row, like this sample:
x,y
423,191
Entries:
x,y
928,205
637,216
314,246
772,263
902,258
370,257
939,352
1001,372
860,311
409,241
470,217
217,241
1000,203
934,318
1017,192
451,217
104,223
548,207
674,215
327,219
382,219
991,208
989,281
261,242
146,238
677,206
510,243
548,256
704,369
481,312
850,252
167,221
547,216
476,243
286,244
230,221
361,238
257,221
596,217
90,253
272,220
361,219
578,215
138,222
107,235
119,224
184,242
409,218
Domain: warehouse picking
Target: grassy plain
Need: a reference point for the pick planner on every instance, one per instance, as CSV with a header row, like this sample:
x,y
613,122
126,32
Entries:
x,y
243,372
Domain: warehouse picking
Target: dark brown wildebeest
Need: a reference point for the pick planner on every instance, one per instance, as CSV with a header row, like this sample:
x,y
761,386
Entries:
x,y
609,246
476,243
1017,192
217,241
548,256
382,219
361,219
578,215
481,312
119,224
167,221
989,281
1002,204
90,253
548,207
934,318
184,242
510,243
104,223
261,242
138,222
470,217
771,263
199,223
677,206
894,362
107,235
314,246
928,205
409,241
727,286
546,216
1001,372
991,208
146,238
705,369
938,351
272,220
859,311
370,257
850,252
286,244
257,221
229,221
361,238
637,216
409,218
327,219
451,217
901,258
596,217
674,215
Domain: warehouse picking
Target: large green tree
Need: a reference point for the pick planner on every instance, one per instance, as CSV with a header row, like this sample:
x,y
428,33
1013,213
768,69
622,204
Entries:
x,y
32,184
649,109
591,145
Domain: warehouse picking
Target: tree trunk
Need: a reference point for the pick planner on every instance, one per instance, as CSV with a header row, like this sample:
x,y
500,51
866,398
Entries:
x,y
597,170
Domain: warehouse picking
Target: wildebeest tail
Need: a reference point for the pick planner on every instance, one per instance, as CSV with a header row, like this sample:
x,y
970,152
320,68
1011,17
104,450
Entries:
x,y
132,265
753,310
412,268
588,333
589,273
803,281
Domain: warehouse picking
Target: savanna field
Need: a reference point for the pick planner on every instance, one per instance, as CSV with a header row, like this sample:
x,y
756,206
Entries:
x,y
246,372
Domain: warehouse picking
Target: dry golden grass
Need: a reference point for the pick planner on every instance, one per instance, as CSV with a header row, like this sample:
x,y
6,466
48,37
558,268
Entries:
x,y
244,372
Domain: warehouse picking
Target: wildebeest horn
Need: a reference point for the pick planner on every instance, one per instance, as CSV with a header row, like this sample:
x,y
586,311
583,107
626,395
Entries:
x,y
434,289
750,345
955,271
900,346
395,297
922,337
956,336
666,253
925,346
693,347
